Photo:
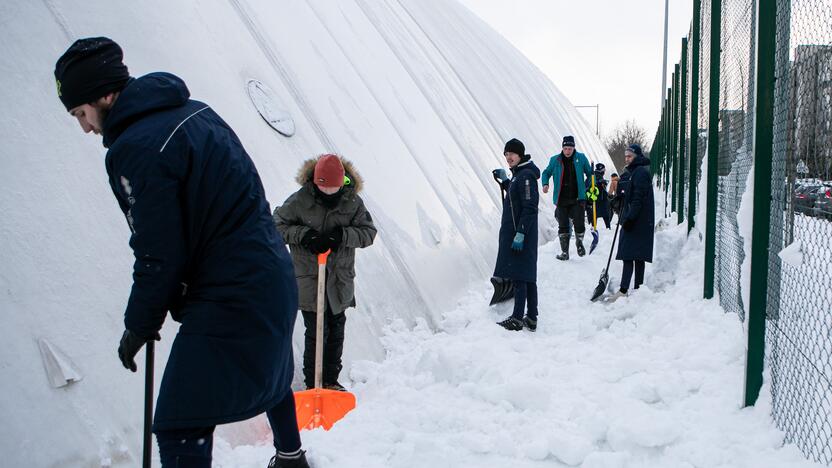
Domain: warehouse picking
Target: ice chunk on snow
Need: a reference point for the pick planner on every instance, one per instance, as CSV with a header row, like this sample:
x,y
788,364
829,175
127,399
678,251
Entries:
x,y
793,254
59,368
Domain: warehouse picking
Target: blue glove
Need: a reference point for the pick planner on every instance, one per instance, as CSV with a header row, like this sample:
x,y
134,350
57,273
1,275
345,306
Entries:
x,y
499,175
517,244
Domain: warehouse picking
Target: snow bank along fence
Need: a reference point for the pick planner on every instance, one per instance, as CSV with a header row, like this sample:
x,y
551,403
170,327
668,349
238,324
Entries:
x,y
751,97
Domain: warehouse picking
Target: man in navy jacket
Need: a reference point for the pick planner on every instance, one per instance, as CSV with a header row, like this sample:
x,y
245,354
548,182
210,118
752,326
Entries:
x,y
206,251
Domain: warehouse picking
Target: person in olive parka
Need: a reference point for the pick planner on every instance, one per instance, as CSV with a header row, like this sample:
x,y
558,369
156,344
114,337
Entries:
x,y
325,214
517,253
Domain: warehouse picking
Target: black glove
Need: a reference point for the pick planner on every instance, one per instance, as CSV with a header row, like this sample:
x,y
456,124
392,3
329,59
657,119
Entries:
x,y
308,238
334,238
628,224
314,242
129,346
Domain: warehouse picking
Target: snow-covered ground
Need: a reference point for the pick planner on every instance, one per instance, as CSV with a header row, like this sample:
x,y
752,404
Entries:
x,y
652,380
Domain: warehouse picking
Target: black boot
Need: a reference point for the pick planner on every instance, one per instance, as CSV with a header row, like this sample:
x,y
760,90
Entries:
x,y
579,243
564,247
299,462
512,324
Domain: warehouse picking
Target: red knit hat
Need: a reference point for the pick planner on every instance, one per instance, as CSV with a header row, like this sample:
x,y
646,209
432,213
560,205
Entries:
x,y
329,172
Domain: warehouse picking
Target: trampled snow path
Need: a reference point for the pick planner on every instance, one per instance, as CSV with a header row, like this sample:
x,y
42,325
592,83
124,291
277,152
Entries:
x,y
653,380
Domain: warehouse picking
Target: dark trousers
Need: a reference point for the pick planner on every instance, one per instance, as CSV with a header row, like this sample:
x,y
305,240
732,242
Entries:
x,y
627,273
192,447
333,346
607,218
525,294
565,213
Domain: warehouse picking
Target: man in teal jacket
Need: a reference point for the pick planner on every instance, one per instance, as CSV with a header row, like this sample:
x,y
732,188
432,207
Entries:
x,y
570,172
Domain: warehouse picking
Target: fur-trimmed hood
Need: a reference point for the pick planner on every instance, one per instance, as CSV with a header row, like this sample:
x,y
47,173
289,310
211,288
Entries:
x,y
307,171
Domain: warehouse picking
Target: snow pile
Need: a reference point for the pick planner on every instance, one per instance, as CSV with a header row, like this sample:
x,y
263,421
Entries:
x,y
652,380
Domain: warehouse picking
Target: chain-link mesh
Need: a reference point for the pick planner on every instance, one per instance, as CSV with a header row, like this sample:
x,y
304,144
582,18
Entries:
x,y
704,89
735,158
799,326
685,182
798,341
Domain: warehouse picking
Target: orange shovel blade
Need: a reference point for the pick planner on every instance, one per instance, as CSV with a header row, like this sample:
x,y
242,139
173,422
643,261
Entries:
x,y
322,408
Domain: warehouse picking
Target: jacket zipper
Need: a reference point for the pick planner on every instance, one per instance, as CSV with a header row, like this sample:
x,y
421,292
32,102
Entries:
x,y
511,204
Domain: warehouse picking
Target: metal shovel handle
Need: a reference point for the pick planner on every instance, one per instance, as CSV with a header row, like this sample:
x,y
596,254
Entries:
x,y
319,322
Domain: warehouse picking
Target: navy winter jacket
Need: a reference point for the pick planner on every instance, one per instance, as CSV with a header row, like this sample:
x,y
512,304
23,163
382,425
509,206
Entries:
x,y
206,250
519,215
636,243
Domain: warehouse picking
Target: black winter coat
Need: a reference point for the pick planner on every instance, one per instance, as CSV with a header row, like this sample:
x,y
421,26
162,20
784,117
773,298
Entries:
x,y
206,250
636,187
602,205
519,215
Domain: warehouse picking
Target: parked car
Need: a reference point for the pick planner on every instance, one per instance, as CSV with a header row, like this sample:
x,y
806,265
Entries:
x,y
802,199
813,200
823,202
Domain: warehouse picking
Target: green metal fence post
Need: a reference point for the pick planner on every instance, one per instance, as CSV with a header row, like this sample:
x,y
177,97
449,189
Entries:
x,y
675,146
763,151
694,113
668,143
713,148
683,120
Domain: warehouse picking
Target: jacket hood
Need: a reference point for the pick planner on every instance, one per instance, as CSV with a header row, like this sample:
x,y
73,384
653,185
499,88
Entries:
x,y
639,161
527,166
307,171
142,96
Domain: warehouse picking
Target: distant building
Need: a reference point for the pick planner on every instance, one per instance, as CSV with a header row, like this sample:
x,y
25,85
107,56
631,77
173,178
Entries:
x,y
809,128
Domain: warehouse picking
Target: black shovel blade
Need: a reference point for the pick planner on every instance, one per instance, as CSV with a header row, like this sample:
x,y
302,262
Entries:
x,y
602,286
503,290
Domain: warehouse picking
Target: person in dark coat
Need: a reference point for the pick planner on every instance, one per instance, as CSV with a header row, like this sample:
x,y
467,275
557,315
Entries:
x,y
617,188
570,172
206,251
602,198
326,213
517,252
613,190
637,218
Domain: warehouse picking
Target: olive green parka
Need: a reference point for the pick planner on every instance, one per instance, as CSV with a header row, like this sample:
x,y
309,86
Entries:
x,y
302,211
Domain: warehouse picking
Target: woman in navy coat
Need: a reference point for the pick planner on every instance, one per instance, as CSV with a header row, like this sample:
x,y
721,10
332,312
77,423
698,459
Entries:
x,y
517,254
637,218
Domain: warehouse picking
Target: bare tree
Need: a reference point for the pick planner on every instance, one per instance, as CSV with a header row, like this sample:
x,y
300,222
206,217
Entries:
x,y
622,136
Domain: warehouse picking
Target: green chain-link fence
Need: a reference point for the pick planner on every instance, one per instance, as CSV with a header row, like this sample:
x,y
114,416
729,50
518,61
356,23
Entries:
x,y
752,96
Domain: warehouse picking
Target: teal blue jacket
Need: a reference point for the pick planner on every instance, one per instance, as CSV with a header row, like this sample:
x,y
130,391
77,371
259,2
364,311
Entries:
x,y
555,171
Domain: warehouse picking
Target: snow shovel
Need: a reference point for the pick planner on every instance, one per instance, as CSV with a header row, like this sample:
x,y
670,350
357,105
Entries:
x,y
594,196
148,405
320,407
503,290
602,283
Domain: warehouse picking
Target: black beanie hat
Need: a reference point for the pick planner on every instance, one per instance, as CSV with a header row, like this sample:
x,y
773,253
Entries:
x,y
635,149
90,69
515,146
568,140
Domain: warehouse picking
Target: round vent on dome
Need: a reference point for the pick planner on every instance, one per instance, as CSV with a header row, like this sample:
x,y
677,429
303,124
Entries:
x,y
266,104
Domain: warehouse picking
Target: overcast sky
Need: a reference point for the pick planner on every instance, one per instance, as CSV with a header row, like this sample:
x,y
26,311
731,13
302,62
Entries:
x,y
606,52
